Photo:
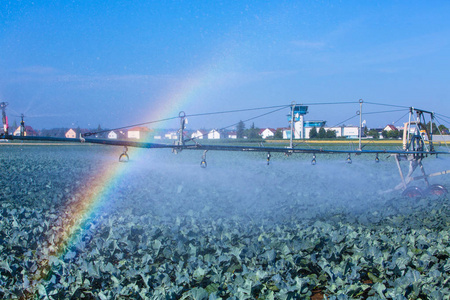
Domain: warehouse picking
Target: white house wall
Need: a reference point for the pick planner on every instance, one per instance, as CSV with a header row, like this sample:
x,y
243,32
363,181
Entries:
x,y
171,136
134,135
213,135
351,131
71,134
197,135
267,133
338,130
112,135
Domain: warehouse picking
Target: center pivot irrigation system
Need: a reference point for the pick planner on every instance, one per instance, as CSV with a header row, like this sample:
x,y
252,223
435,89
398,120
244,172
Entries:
x,y
417,142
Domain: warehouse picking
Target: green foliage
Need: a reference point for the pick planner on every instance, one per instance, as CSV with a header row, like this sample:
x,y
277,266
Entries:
x,y
313,133
322,133
393,134
240,129
253,132
384,134
278,134
442,129
373,133
331,134
428,126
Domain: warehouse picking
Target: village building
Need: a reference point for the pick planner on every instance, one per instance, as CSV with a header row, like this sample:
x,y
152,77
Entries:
x,y
308,126
267,132
138,132
28,131
338,130
286,133
75,133
172,135
214,135
71,134
117,135
350,132
199,134
232,134
390,127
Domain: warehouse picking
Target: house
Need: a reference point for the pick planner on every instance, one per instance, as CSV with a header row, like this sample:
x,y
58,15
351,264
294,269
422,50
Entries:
x,y
172,135
71,134
214,135
199,134
75,133
338,130
138,132
390,127
286,133
29,131
344,131
351,132
268,132
116,134
232,134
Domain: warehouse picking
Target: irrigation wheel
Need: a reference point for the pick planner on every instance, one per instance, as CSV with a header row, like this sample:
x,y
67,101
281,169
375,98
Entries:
x,y
436,190
412,192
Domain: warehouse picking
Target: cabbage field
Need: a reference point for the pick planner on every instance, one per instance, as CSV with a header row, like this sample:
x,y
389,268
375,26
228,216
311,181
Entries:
x,y
77,224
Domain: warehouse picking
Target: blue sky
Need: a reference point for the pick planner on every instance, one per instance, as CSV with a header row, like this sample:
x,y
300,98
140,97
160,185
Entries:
x,y
116,63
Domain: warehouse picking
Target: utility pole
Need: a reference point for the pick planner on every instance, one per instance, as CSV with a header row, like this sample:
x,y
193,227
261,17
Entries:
x,y
291,144
360,123
4,117
22,126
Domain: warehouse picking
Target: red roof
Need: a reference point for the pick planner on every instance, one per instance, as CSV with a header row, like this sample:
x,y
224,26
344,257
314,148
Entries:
x,y
391,127
271,129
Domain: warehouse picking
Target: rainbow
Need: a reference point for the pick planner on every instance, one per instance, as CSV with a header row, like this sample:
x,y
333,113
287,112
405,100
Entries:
x,y
74,221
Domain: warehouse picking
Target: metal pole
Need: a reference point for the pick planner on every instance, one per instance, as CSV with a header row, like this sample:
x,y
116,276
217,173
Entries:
x,y
291,144
360,122
4,117
430,141
411,109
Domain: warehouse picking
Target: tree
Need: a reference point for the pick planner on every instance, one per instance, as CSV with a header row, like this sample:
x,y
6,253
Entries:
x,y
373,133
384,134
278,134
393,134
313,133
253,132
331,134
240,129
322,133
443,129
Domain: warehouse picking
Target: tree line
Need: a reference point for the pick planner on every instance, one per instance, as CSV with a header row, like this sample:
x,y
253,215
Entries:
x,y
253,132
